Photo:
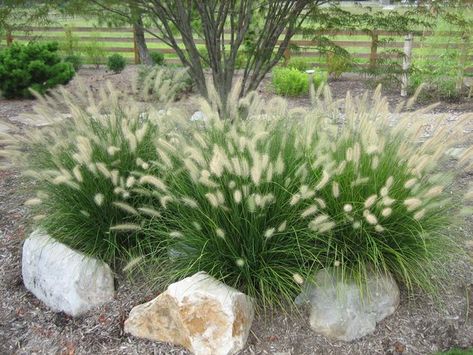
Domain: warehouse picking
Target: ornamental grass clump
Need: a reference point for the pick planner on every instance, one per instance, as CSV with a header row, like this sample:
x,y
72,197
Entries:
x,y
263,203
260,200
86,165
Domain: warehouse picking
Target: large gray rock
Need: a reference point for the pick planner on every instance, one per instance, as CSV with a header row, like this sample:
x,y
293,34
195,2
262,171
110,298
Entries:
x,y
199,313
65,280
340,310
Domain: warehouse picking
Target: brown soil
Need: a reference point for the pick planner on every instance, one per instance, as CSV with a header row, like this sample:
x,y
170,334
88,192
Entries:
x,y
419,326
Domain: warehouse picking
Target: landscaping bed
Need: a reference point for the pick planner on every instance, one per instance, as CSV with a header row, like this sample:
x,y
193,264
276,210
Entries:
x,y
419,326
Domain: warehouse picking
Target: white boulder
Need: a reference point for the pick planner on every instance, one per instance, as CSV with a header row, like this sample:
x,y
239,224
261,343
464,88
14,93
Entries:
x,y
198,116
65,280
340,310
198,313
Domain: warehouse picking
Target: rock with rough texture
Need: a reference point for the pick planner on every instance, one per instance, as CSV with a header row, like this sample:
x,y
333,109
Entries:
x,y
65,280
198,116
341,311
198,313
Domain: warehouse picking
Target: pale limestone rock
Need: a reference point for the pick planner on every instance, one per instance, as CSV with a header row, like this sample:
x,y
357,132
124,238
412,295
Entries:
x,y
198,313
338,310
65,280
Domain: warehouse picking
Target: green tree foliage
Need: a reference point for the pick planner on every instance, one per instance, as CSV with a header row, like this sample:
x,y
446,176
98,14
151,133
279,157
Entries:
x,y
33,66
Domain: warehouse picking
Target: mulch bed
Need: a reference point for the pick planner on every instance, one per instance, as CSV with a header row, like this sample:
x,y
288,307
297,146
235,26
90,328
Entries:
x,y
419,326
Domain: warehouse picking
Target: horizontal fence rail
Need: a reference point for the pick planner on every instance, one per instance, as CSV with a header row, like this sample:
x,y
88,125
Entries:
x,y
364,46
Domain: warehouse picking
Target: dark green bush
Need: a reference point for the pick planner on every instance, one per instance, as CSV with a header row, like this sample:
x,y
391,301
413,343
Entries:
x,y
116,63
157,57
75,60
36,66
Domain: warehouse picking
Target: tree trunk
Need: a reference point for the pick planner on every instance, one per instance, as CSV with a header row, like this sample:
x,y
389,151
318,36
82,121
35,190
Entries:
x,y
374,51
406,64
462,63
9,38
140,42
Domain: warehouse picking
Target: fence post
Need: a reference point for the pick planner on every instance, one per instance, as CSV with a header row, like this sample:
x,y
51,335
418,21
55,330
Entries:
x,y
463,58
9,38
135,48
406,63
374,50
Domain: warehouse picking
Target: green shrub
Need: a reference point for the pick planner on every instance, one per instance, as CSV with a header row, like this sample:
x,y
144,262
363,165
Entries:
x,y
75,60
116,63
34,66
157,57
261,203
293,82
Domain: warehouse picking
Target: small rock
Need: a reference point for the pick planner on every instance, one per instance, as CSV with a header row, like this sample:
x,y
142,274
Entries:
x,y
65,280
338,310
198,116
456,152
199,313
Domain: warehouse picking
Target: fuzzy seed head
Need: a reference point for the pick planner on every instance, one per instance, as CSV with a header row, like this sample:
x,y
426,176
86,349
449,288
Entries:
x,y
151,212
282,226
434,192
154,181
33,202
237,196
125,207
386,212
309,211
175,234
419,214
220,233
335,189
412,203
130,181
269,233
77,174
370,201
388,201
99,199
348,208
295,199
410,183
190,202
298,279
323,181
164,200
111,150
370,218
240,262
125,227
375,163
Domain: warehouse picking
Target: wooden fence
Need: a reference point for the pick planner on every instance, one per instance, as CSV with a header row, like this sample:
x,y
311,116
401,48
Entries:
x,y
364,47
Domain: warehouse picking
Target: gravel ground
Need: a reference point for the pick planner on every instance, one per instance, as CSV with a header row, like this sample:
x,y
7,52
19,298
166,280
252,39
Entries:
x,y
419,326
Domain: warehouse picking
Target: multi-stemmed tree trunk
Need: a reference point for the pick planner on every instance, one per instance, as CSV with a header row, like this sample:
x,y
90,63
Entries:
x,y
226,27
